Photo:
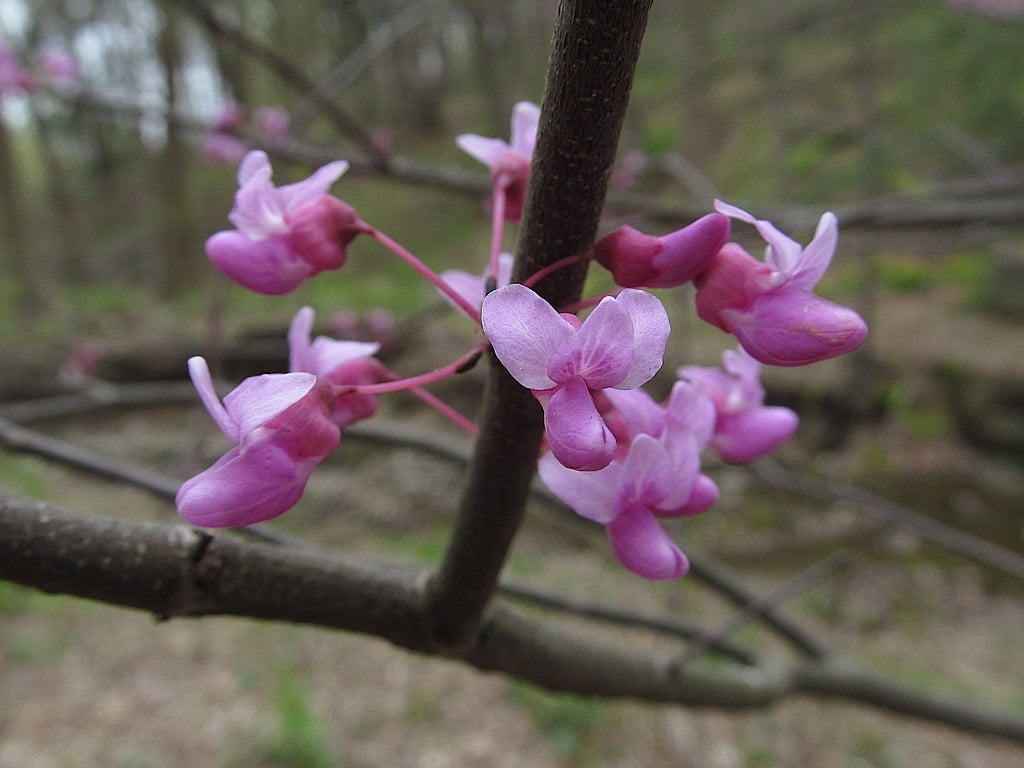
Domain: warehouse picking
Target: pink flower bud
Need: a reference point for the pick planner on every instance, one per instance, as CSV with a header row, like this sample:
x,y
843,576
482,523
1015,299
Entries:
x,y
638,260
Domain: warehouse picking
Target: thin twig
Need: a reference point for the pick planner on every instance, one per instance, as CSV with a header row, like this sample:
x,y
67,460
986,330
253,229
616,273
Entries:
x,y
758,608
946,536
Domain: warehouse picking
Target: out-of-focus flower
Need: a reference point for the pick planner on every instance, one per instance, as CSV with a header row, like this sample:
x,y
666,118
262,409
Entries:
x,y
745,428
13,77
620,345
770,306
473,288
272,122
509,161
282,429
58,67
637,260
283,235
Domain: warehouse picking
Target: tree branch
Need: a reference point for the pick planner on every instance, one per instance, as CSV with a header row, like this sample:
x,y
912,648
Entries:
x,y
177,571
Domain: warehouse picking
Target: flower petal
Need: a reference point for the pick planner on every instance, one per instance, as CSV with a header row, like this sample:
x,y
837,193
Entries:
x,y
267,265
258,399
641,544
790,328
525,118
243,488
748,435
589,494
525,331
577,434
651,329
487,151
600,352
292,196
199,372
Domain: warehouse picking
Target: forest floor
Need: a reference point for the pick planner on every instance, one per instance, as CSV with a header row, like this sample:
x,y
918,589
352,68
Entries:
x,y
82,684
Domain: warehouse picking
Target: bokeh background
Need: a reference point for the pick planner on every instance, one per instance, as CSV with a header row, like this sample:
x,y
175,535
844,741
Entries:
x,y
906,118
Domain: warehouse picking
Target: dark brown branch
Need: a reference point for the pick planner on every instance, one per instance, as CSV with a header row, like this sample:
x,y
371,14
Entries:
x,y
176,571
595,48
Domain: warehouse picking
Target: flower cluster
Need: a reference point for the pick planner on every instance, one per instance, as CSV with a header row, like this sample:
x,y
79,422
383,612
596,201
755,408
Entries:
x,y
51,67
612,452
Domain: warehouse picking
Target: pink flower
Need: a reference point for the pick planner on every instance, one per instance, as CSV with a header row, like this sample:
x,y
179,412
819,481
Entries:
x,y
282,428
637,260
271,121
770,306
337,362
58,67
509,162
684,424
620,345
13,77
627,496
745,429
283,235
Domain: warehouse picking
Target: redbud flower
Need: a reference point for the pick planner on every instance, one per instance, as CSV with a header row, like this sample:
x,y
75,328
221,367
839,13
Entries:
x,y
283,235
282,428
745,428
684,424
620,345
637,260
58,67
770,306
271,121
509,161
337,362
626,497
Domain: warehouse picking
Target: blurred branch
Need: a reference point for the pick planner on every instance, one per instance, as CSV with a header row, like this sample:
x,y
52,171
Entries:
x,y
176,571
995,198
946,536
376,43
287,70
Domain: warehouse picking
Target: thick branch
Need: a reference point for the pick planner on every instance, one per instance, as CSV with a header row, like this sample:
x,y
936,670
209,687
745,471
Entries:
x,y
174,570
595,48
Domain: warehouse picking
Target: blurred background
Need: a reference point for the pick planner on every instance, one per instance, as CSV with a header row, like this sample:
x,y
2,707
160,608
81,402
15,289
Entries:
x,y
121,124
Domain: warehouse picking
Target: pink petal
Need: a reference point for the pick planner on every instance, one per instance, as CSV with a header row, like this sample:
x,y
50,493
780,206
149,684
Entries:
x,y
648,476
748,435
703,497
640,544
812,263
600,352
292,196
790,328
590,494
525,118
487,151
637,411
577,434
199,372
687,251
259,399
267,265
651,329
691,411
243,488
255,166
525,331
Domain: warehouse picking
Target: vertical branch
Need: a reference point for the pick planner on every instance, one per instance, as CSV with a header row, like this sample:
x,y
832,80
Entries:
x,y
594,52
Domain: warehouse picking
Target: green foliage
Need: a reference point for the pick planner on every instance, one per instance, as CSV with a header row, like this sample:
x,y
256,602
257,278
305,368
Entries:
x,y
565,719
298,738
23,474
